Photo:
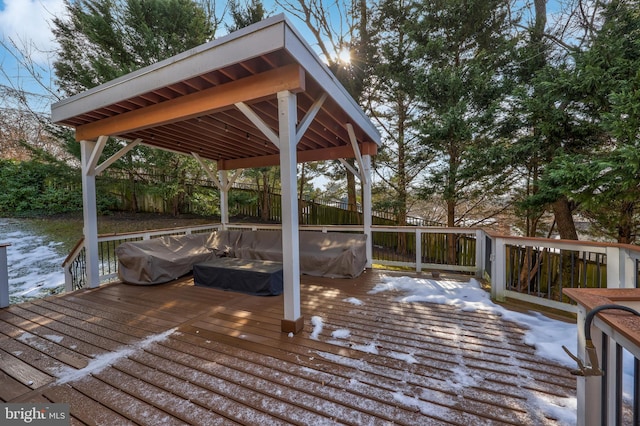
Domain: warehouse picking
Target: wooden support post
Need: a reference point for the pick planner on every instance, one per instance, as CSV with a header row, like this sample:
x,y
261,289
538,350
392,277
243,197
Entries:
x,y
293,321
418,250
480,253
589,388
90,153
223,177
498,273
366,207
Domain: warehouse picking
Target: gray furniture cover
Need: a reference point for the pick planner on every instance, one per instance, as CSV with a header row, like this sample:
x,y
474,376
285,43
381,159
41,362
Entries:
x,y
159,260
331,254
256,277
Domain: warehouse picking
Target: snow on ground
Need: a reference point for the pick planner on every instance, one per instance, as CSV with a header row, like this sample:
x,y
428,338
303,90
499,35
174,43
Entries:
x,y
545,334
34,264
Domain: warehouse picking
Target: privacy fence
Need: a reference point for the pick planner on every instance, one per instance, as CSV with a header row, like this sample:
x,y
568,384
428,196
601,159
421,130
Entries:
x,y
157,194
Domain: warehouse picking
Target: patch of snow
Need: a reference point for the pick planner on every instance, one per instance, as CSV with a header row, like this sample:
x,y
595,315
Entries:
x,y
424,407
317,323
354,301
34,262
562,409
54,337
370,348
461,379
341,334
103,361
546,335
403,357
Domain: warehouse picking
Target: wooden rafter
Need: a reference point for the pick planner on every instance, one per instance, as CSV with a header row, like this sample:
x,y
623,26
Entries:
x,y
290,77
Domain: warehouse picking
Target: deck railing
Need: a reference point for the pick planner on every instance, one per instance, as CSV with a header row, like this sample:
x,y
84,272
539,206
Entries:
x,y
534,270
607,399
609,349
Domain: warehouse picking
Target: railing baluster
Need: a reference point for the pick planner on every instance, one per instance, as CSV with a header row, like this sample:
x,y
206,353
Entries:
x,y
636,391
618,383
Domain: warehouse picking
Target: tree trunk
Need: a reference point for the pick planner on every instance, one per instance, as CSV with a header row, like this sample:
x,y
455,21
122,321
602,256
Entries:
x,y
564,219
625,226
451,238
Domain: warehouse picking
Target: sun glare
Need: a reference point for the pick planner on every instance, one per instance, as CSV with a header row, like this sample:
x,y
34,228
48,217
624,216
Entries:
x,y
345,56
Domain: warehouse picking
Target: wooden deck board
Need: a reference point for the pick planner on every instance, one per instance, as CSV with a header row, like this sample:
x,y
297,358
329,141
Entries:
x,y
85,409
228,363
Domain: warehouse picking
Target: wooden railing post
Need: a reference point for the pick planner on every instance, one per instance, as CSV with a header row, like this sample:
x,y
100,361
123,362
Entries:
x,y
418,250
588,388
615,271
620,268
627,269
68,278
480,251
4,276
498,269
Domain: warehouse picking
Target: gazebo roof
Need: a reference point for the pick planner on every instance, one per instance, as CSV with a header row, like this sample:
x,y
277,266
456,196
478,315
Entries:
x,y
219,100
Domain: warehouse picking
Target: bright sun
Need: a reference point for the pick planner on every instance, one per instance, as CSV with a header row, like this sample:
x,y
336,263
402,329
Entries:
x,y
345,56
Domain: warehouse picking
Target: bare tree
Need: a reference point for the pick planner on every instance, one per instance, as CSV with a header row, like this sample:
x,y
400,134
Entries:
x,y
339,27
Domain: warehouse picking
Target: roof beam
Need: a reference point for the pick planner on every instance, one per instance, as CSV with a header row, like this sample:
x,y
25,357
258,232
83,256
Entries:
x,y
345,151
289,77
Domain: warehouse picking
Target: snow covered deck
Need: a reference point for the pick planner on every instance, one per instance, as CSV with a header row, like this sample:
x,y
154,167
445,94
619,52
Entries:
x,y
371,352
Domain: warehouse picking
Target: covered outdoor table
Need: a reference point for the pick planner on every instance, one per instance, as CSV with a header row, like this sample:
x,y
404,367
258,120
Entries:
x,y
257,277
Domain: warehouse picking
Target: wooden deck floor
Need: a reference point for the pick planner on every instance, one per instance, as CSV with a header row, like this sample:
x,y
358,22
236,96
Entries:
x,y
176,354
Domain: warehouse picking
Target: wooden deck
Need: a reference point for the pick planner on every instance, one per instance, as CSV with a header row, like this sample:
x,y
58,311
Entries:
x,y
176,354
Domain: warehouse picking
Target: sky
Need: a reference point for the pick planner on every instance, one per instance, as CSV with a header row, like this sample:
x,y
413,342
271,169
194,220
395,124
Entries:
x,y
27,24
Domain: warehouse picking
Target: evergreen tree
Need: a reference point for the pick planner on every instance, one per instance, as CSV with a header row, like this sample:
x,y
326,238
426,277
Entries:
x,y
606,82
392,98
101,40
463,52
252,12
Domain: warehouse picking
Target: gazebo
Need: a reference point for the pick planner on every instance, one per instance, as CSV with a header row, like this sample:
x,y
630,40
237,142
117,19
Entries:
x,y
257,97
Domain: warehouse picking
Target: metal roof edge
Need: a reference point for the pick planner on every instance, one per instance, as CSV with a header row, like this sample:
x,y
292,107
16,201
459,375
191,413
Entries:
x,y
64,109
